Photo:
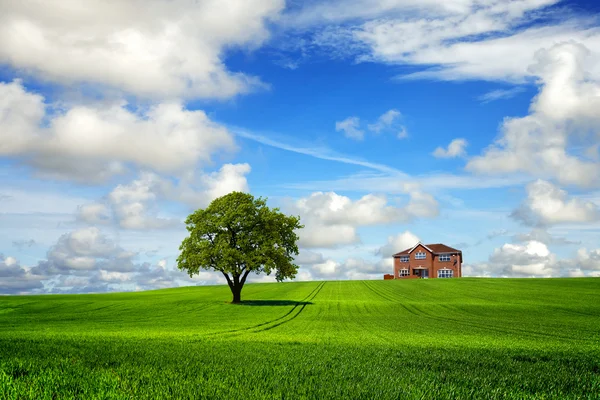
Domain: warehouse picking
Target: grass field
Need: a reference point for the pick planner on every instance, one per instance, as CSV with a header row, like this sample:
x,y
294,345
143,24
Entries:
x,y
455,338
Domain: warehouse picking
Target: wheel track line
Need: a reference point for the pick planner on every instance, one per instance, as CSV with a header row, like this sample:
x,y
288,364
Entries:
x,y
504,330
233,332
297,314
378,293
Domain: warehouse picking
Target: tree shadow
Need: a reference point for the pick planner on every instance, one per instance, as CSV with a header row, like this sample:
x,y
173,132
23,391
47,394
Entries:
x,y
273,303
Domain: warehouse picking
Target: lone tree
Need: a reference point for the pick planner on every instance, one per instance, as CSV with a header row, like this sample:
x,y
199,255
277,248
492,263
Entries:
x,y
238,234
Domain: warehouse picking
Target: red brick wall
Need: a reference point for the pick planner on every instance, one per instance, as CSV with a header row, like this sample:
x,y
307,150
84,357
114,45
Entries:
x,y
431,262
437,265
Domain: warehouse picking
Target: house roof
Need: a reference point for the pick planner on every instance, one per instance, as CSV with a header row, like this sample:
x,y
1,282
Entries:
x,y
435,248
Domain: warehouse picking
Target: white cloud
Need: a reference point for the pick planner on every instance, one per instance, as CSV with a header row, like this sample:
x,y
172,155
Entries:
x,y
530,259
534,259
331,219
350,127
547,204
85,250
136,205
16,278
94,213
587,260
157,48
338,11
456,148
88,260
500,94
386,120
93,143
492,40
402,133
566,109
400,242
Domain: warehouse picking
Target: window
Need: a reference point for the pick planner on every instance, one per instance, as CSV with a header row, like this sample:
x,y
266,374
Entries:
x,y
420,256
444,257
404,272
404,258
445,273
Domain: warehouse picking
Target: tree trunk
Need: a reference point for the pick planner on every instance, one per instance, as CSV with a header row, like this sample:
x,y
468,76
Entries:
x,y
237,294
236,284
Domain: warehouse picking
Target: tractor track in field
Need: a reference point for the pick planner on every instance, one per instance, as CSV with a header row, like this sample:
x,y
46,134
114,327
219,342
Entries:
x,y
303,302
488,327
378,293
307,301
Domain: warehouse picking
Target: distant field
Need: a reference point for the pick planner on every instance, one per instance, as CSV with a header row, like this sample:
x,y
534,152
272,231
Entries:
x,y
456,338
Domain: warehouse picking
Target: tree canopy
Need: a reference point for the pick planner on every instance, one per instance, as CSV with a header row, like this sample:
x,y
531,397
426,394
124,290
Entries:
x,y
236,235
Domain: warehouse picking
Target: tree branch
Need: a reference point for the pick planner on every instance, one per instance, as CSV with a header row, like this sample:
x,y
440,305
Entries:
x,y
244,278
228,280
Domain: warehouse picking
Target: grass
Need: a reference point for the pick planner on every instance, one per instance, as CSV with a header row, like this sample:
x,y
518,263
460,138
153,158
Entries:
x,y
422,339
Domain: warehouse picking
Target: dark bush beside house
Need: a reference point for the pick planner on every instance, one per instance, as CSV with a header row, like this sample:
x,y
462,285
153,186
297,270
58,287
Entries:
x,y
236,235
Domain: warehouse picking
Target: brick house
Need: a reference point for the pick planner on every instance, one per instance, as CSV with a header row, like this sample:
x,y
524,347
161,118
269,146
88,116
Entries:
x,y
428,261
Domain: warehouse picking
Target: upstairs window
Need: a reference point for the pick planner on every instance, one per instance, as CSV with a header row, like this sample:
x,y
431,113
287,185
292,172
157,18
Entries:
x,y
444,257
445,273
404,258
420,256
404,272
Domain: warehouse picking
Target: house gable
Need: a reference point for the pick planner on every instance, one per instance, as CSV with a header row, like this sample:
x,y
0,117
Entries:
x,y
423,246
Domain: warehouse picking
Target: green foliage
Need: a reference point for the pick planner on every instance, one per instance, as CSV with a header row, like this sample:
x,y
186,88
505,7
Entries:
x,y
238,234
444,339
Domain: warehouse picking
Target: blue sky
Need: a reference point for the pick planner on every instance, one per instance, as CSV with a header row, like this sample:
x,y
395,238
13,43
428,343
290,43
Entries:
x,y
471,123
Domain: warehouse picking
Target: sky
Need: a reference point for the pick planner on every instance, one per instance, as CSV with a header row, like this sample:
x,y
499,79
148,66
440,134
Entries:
x,y
381,123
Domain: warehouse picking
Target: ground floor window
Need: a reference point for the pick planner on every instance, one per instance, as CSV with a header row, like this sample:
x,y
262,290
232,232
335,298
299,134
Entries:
x,y
404,272
445,273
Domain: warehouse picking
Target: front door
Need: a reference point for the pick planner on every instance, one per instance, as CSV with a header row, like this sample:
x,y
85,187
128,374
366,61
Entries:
x,y
425,274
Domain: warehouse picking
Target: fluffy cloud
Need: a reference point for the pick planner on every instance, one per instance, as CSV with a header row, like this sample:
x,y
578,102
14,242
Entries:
x,y
155,48
588,261
534,259
136,205
87,260
395,244
85,250
547,204
565,110
350,127
331,219
387,121
456,148
93,143
16,278
315,266
530,259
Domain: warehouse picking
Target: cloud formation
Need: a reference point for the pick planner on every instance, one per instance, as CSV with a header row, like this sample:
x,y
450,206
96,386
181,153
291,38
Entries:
x,y
93,143
546,204
565,109
456,148
16,278
155,48
350,127
136,205
331,219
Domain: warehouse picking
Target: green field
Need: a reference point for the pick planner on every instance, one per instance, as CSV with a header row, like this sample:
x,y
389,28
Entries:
x,y
455,338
